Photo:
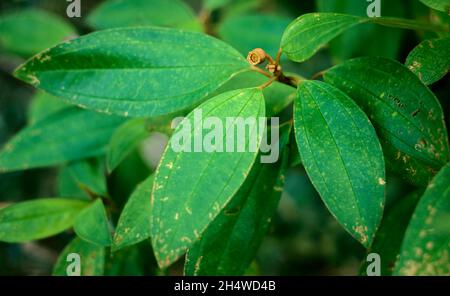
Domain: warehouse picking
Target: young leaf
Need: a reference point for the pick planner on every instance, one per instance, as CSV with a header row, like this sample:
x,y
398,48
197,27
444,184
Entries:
x,y
92,259
430,60
30,31
134,222
408,117
37,219
310,32
441,5
92,225
337,143
238,230
42,105
247,32
132,13
389,237
69,134
426,247
124,140
83,179
190,189
142,71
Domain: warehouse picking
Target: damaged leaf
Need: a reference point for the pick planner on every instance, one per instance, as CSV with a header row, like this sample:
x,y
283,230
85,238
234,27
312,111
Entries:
x,y
191,188
430,60
406,114
145,71
337,143
426,247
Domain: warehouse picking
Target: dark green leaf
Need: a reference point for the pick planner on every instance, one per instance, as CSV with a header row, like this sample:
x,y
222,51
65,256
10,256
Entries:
x,y
32,220
132,13
142,71
92,225
247,32
430,60
92,258
389,237
30,31
191,188
132,261
67,135
337,143
238,230
408,117
426,247
134,222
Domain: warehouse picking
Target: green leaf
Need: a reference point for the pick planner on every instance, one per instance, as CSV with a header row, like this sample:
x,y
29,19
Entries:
x,y
132,13
364,40
191,188
37,219
441,5
337,143
389,237
70,134
28,32
124,140
426,247
247,32
92,258
92,225
83,179
142,71
42,105
238,230
406,114
310,32
134,222
430,60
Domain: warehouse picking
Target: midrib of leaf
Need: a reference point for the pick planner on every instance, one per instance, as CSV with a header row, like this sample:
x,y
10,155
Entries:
x,y
209,161
36,216
237,219
340,157
144,45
